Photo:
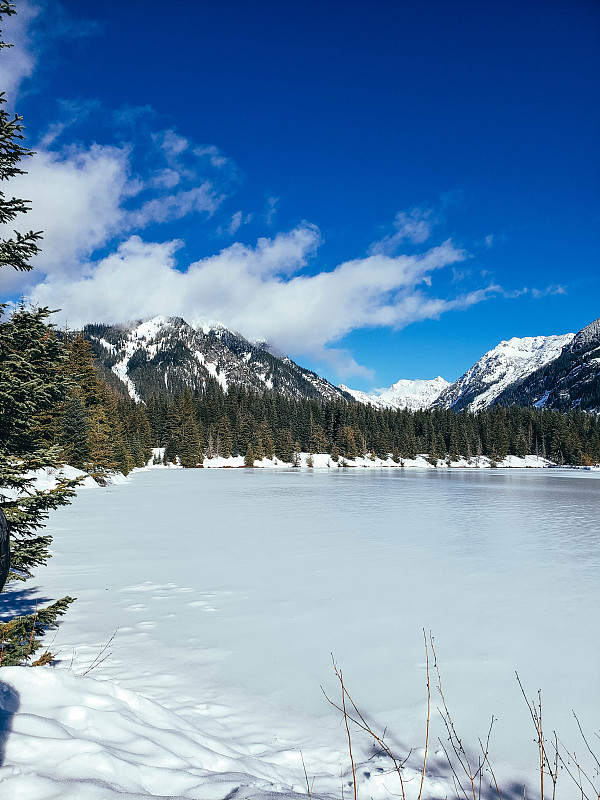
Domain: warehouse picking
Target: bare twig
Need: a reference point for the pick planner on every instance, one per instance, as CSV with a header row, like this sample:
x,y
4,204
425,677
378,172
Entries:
x,y
361,723
544,760
341,677
428,715
309,788
486,759
586,741
32,630
102,655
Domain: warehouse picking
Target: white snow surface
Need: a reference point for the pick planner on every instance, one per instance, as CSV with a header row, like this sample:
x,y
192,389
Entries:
x,y
414,395
506,363
206,326
47,478
226,593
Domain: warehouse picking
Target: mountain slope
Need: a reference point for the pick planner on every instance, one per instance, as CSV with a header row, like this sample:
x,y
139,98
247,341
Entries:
x,y
414,395
508,363
572,380
165,355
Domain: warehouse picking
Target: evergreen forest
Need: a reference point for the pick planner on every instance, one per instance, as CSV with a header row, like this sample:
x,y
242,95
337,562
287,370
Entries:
x,y
240,422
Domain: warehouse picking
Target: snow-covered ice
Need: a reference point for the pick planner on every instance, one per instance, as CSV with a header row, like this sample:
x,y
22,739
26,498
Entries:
x,y
227,591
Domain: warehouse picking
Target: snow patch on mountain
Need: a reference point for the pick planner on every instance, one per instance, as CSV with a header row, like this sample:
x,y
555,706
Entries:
x,y
509,362
167,355
413,395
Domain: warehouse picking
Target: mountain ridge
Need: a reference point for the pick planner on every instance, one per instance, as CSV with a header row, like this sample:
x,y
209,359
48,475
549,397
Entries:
x,y
502,366
165,355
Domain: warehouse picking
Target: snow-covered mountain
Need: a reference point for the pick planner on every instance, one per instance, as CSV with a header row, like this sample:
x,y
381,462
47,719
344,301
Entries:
x,y
165,355
572,380
414,395
508,363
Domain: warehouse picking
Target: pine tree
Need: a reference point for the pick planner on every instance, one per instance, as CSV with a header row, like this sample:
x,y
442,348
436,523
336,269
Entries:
x,y
74,434
31,383
249,457
224,443
185,439
285,445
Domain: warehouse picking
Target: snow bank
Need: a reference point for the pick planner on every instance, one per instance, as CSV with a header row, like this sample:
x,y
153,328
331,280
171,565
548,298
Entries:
x,y
47,478
77,738
74,737
325,461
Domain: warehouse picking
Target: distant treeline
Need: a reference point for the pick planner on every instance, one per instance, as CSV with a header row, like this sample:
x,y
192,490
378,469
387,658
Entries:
x,y
240,422
100,430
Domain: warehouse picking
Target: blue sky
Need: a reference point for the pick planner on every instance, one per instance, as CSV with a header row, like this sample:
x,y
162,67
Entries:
x,y
384,190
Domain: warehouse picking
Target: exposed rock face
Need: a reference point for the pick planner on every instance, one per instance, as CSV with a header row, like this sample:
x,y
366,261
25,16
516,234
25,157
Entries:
x,y
165,355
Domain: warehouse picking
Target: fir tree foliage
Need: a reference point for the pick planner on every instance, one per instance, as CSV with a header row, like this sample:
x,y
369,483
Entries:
x,y
100,431
17,251
31,384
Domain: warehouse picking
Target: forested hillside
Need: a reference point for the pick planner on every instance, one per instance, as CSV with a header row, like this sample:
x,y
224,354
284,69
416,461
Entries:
x,y
213,422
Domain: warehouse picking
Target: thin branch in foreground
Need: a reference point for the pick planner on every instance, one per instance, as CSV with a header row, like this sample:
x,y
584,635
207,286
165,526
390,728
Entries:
x,y
428,715
361,723
102,655
586,741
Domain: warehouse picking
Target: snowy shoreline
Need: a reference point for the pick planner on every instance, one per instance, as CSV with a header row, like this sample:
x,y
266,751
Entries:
x,y
324,461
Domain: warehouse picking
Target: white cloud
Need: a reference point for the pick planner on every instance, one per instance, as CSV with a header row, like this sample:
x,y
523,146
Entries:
x,y
175,206
77,198
260,291
410,226
83,199
237,220
19,61
549,290
271,211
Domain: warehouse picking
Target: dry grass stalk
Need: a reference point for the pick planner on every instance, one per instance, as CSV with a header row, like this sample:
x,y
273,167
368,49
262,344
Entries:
x,y
545,765
357,719
309,787
468,777
102,655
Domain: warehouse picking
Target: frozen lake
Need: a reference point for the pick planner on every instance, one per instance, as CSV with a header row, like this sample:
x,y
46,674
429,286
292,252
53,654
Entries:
x,y
232,588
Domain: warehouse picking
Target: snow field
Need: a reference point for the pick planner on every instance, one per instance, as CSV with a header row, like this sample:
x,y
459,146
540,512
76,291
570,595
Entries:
x,y
227,591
